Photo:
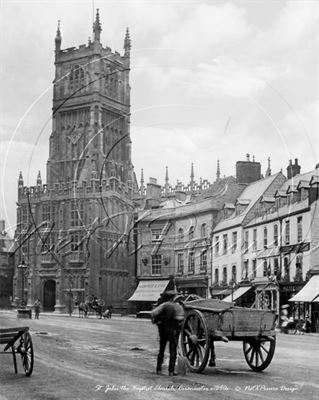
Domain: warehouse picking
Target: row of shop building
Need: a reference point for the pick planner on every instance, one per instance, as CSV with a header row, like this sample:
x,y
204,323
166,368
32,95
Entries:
x,y
247,240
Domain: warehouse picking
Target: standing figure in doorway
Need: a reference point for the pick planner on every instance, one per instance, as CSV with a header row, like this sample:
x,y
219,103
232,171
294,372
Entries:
x,y
37,306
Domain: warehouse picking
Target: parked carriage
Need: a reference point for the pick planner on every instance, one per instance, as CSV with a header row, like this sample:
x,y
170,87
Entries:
x,y
208,320
91,304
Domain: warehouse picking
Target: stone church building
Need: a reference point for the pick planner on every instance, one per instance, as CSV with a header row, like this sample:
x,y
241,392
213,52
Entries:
x,y
74,235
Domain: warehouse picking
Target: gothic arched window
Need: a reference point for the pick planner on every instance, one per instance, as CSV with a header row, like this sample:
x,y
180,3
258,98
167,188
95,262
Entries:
x,y
76,78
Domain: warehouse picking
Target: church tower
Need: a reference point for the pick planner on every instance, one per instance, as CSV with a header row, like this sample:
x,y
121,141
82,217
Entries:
x,y
74,232
91,113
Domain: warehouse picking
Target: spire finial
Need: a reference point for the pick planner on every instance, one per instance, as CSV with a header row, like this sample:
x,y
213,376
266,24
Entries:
x,y
192,177
268,172
58,38
166,175
97,29
218,171
192,172
20,180
39,180
166,179
127,43
142,181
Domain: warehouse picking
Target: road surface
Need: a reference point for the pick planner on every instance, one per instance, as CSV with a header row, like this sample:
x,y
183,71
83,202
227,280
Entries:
x,y
115,359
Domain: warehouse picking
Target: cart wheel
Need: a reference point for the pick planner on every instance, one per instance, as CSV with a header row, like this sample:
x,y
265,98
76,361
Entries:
x,y
26,352
89,299
195,340
101,302
259,353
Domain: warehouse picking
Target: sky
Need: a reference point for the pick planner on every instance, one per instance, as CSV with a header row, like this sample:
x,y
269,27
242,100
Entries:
x,y
210,80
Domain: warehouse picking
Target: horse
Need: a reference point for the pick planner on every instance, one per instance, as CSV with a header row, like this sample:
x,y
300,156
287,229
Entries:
x,y
93,304
83,308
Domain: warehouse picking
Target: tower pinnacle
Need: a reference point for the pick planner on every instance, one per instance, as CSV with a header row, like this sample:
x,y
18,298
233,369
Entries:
x,y
166,179
39,180
20,181
218,171
127,43
97,29
268,172
142,181
192,177
58,38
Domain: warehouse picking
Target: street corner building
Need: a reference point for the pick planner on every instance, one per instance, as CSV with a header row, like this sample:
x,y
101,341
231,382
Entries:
x,y
74,235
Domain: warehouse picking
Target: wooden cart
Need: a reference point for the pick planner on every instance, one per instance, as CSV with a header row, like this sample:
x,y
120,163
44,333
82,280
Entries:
x,y
208,320
19,341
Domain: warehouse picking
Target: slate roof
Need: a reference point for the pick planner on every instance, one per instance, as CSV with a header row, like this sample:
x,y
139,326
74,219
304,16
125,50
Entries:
x,y
253,192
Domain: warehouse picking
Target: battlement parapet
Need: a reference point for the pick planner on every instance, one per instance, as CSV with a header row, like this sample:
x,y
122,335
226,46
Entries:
x,y
84,50
77,189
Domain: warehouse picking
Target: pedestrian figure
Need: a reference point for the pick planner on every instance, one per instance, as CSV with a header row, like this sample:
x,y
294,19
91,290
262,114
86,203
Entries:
x,y
108,312
306,325
169,317
37,306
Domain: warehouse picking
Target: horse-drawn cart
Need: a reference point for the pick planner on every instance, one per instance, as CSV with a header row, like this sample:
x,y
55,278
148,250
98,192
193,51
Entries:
x,y
208,320
20,342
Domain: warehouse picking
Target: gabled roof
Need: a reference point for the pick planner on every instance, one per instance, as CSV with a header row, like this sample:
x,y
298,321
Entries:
x,y
252,192
294,181
303,184
227,190
292,189
280,193
268,199
229,206
279,213
314,180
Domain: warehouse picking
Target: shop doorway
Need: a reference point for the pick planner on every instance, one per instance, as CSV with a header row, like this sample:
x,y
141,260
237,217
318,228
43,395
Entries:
x,y
49,296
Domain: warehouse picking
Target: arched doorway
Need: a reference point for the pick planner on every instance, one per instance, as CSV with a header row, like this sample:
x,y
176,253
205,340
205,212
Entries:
x,y
49,295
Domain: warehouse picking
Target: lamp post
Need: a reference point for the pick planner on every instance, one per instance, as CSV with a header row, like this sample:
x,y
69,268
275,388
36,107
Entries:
x,y
22,267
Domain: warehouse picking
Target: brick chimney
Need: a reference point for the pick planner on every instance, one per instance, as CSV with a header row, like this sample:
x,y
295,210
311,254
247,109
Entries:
x,y
153,193
248,171
293,169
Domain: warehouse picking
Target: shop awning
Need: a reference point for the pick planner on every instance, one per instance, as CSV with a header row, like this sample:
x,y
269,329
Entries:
x,y
149,290
316,300
309,292
237,293
220,292
267,253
